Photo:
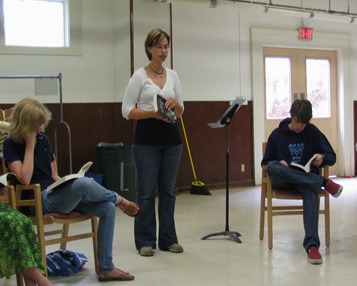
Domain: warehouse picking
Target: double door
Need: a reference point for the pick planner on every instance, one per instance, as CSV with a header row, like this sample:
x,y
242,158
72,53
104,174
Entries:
x,y
301,74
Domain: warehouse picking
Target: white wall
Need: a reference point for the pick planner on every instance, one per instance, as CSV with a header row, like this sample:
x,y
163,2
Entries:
x,y
212,54
206,53
212,49
86,78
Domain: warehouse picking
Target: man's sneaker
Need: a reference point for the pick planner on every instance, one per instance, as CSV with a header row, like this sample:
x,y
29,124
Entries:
x,y
334,189
175,248
146,251
313,255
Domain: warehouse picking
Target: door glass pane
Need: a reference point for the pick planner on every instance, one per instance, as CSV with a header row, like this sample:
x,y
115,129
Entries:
x,y
277,87
318,87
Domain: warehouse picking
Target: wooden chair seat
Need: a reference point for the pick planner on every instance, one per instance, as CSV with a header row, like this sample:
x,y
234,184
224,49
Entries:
x,y
64,216
269,204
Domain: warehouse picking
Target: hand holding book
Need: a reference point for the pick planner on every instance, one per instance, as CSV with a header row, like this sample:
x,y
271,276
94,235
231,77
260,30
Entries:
x,y
307,167
161,109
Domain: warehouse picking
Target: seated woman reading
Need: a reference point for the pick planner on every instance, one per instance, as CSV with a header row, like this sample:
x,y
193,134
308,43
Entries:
x,y
28,154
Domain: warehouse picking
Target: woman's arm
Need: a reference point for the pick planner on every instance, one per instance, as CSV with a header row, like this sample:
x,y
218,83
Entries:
x,y
137,113
54,171
24,170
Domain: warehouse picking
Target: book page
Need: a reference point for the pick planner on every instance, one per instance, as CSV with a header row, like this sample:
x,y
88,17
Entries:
x,y
305,168
6,177
85,168
67,178
3,180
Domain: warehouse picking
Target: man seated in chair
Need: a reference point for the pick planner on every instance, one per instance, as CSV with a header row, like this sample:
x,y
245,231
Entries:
x,y
297,140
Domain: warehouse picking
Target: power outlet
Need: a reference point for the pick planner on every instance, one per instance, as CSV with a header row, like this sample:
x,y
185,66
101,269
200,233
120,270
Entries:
x,y
242,168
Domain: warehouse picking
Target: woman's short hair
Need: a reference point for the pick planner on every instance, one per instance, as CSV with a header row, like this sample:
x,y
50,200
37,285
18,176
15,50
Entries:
x,y
28,116
301,109
153,38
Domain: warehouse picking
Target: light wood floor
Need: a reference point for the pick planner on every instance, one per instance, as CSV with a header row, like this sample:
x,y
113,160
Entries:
x,y
220,260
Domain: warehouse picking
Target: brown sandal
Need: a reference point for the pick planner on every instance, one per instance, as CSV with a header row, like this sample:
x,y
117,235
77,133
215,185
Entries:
x,y
123,276
132,209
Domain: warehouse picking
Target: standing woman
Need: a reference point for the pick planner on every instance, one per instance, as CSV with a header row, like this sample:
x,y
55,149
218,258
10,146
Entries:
x,y
157,145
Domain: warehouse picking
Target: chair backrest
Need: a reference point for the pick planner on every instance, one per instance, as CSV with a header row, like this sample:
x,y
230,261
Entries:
x,y
5,197
4,125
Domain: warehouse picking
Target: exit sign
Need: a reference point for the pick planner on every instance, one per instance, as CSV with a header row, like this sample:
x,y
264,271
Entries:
x,y
305,34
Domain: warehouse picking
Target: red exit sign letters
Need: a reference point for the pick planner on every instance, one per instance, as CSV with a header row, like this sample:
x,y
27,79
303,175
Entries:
x,y
305,34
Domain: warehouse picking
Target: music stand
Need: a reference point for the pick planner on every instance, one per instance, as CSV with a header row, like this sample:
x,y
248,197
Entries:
x,y
225,121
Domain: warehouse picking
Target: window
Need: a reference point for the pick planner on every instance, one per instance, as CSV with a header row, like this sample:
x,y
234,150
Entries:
x,y
318,86
278,84
278,87
40,27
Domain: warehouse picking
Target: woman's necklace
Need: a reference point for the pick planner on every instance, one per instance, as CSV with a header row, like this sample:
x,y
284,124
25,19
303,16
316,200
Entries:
x,y
158,74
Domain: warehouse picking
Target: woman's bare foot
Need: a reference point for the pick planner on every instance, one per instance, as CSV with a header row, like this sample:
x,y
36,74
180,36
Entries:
x,y
115,275
29,281
128,207
33,277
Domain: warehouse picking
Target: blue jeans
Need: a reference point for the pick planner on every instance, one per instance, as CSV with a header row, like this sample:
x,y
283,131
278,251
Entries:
x,y
156,168
308,185
86,196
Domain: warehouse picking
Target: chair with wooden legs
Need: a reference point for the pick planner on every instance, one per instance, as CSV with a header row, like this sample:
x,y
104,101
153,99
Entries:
x,y
269,196
64,221
40,220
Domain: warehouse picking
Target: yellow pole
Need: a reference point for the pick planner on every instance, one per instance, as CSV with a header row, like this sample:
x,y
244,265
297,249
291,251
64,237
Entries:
x,y
188,148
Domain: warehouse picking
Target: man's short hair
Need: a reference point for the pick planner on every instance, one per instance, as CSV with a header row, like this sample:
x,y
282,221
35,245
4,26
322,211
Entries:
x,y
301,109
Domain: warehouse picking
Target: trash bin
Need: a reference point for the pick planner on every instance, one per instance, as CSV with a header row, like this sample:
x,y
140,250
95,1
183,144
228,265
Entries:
x,y
115,162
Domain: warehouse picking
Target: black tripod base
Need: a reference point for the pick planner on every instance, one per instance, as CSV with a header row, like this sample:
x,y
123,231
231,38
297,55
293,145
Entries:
x,y
232,234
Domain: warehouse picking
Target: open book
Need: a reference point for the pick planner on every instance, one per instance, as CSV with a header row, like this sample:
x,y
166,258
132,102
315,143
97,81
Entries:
x,y
6,177
159,107
66,178
305,168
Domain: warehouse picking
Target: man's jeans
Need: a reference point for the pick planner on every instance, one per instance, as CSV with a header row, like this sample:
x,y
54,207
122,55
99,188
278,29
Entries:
x,y
156,167
308,185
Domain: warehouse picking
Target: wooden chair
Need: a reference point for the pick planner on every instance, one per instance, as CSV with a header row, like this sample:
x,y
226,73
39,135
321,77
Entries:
x,y
40,220
64,221
269,196
8,198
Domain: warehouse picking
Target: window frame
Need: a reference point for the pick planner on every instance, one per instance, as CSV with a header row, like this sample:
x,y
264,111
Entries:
x,y
75,36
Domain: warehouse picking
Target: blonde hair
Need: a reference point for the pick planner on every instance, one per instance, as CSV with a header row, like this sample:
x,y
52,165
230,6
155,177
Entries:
x,y
28,116
153,38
